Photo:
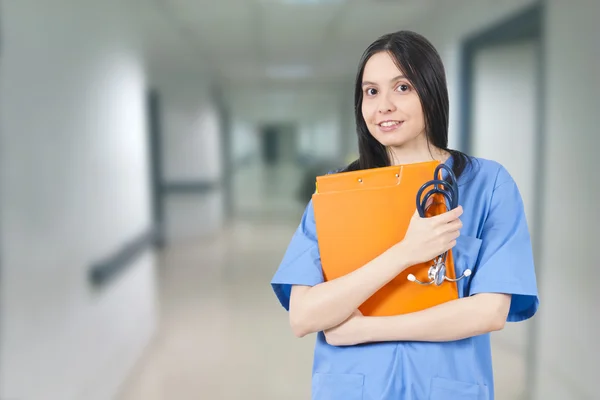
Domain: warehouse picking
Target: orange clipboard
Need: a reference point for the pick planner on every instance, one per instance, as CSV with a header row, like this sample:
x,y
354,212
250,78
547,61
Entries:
x,y
361,214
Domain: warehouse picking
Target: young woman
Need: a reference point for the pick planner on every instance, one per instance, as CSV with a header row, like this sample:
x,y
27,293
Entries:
x,y
442,353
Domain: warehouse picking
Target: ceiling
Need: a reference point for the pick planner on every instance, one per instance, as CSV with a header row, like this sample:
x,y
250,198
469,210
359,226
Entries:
x,y
250,42
285,59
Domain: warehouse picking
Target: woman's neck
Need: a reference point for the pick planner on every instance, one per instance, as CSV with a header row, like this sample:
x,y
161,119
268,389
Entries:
x,y
409,154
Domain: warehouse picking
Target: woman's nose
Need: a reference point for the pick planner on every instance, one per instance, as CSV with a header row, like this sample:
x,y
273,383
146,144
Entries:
x,y
386,106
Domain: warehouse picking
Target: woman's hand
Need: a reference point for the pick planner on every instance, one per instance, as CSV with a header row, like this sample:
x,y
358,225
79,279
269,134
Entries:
x,y
427,238
347,333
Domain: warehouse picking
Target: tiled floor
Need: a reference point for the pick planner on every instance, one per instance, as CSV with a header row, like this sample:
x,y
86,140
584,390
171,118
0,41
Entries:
x,y
223,335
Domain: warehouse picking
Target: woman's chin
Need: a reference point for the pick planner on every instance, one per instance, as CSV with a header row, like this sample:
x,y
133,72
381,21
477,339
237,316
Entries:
x,y
391,140
397,138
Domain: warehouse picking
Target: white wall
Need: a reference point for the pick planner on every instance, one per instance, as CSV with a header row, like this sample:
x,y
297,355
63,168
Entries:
x,y
504,111
191,153
569,321
191,142
74,186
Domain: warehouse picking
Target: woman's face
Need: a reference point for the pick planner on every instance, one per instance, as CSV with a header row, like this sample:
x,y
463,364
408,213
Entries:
x,y
390,105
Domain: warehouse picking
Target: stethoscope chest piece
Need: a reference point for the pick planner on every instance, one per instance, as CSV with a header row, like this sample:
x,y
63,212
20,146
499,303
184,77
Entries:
x,y
437,273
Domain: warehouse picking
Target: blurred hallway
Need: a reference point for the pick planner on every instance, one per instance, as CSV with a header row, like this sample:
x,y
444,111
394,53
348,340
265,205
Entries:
x,y
126,125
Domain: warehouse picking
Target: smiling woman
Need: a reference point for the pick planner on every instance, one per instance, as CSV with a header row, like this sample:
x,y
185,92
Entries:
x,y
444,352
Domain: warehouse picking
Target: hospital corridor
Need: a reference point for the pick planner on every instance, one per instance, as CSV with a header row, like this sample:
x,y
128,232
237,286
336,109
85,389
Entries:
x,y
157,158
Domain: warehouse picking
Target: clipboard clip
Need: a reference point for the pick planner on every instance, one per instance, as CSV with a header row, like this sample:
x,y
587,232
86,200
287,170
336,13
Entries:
x,y
437,274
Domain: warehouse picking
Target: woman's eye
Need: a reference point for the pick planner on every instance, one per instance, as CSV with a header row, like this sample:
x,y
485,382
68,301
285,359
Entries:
x,y
404,88
371,91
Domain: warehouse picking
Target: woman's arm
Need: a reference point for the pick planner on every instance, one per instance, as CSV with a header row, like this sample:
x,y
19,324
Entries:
x,y
313,309
317,308
454,320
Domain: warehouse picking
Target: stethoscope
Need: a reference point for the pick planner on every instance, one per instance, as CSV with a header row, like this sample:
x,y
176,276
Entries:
x,y
449,189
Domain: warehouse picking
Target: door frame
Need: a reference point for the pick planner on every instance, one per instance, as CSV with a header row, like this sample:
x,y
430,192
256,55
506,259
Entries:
x,y
154,129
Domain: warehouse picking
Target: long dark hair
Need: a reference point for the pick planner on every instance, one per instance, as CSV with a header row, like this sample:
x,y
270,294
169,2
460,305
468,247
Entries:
x,y
420,62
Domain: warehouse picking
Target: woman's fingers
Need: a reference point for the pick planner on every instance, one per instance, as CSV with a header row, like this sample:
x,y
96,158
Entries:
x,y
454,225
448,216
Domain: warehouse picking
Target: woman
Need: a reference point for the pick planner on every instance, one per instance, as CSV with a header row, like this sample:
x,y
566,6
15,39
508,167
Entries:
x,y
442,353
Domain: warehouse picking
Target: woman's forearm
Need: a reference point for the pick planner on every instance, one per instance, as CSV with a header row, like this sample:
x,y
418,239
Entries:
x,y
313,309
455,320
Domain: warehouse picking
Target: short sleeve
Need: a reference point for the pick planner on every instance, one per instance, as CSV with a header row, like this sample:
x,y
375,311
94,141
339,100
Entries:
x,y
505,263
301,263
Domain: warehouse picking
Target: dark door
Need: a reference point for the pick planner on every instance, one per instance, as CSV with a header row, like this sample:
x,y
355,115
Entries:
x,y
270,145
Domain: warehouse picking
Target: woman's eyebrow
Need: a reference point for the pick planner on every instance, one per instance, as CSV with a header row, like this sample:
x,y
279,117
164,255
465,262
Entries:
x,y
391,80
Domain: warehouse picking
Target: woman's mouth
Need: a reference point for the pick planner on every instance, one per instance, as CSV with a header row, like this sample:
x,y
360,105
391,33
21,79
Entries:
x,y
389,126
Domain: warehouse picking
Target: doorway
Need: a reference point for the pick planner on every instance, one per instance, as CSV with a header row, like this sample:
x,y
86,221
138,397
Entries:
x,y
278,143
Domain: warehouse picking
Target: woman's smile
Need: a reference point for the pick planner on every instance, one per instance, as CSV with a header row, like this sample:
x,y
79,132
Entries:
x,y
389,125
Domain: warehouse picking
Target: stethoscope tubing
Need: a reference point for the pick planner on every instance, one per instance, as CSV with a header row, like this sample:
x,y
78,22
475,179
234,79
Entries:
x,y
450,192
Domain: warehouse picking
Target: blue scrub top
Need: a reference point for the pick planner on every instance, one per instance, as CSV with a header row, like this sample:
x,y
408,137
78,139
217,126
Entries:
x,y
494,243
